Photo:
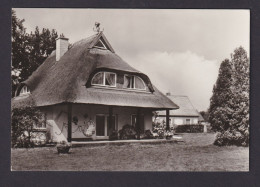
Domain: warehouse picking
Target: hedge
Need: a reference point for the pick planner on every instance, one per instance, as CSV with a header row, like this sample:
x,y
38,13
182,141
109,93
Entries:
x,y
189,128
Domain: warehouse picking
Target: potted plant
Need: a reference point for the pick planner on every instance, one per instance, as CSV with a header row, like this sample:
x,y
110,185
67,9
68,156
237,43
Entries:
x,y
168,135
63,147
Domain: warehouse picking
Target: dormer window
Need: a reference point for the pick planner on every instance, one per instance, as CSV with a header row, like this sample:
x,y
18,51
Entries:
x,y
134,82
104,79
100,45
25,90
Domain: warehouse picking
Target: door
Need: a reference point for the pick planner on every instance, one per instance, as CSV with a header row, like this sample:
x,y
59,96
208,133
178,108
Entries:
x,y
141,121
100,125
111,127
103,129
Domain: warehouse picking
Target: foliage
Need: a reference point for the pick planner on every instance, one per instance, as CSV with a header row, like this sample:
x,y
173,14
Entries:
x,y
113,135
23,122
127,132
230,138
147,135
39,137
189,128
168,133
229,104
205,115
49,138
29,50
159,130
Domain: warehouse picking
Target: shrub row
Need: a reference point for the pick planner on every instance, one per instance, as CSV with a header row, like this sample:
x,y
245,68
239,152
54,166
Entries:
x,y
128,132
189,129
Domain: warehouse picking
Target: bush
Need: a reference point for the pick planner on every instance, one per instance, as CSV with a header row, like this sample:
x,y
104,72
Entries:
x,y
231,138
49,138
159,128
113,135
127,132
189,128
23,121
39,137
147,135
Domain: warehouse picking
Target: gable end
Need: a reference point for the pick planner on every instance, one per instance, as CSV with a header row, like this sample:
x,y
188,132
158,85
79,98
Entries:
x,y
101,42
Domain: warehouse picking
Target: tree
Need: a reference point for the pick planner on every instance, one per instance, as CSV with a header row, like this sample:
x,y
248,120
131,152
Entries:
x,y
29,50
205,115
240,100
229,104
23,122
19,49
219,110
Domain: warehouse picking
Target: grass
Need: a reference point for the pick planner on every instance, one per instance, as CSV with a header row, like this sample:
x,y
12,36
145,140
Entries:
x,y
196,153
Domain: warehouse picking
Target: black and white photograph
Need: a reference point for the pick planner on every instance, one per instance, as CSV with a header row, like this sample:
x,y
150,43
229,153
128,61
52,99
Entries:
x,y
130,89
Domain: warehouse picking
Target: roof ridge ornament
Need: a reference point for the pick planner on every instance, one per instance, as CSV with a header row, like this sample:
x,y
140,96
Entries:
x,y
97,28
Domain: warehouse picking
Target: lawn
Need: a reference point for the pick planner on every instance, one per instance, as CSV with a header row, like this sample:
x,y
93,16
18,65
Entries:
x,y
196,153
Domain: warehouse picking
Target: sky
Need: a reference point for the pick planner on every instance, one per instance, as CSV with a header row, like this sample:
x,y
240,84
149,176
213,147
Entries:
x,y
180,50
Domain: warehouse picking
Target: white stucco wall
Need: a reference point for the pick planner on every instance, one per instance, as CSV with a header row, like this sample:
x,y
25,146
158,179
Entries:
x,y
179,120
57,119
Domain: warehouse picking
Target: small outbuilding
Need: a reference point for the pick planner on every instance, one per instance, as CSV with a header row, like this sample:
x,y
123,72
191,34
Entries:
x,y
185,115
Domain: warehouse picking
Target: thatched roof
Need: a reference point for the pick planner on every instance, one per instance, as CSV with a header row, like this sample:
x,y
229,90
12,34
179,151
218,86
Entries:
x,y
67,80
186,108
201,118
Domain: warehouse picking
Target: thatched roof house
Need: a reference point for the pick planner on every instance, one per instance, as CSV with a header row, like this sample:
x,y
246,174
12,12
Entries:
x,y
68,80
88,76
186,114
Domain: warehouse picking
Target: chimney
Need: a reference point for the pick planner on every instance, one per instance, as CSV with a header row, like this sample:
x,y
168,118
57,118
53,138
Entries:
x,y
62,45
168,93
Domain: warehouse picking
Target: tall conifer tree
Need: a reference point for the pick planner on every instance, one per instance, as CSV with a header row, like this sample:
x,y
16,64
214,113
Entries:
x,y
229,106
219,116
240,100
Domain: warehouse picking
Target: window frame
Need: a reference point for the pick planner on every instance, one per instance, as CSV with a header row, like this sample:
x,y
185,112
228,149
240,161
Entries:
x,y
188,121
106,125
23,91
134,77
102,44
104,79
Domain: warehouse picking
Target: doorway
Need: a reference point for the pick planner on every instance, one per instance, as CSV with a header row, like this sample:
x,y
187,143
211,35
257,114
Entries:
x,y
103,129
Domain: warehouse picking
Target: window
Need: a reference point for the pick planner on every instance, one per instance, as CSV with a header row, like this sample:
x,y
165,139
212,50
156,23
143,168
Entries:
x,y
128,81
104,79
187,121
100,44
133,82
98,79
25,90
139,83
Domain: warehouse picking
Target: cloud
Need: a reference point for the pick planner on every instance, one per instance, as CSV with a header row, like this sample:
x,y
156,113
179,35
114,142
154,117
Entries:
x,y
180,50
213,34
185,73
